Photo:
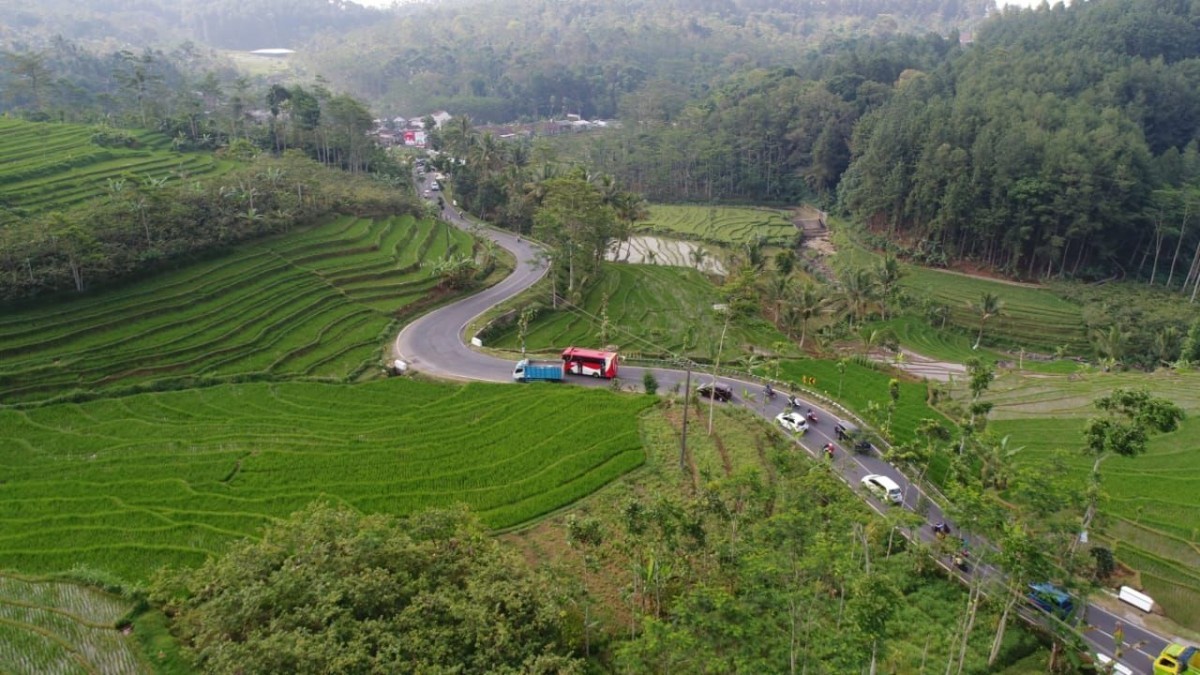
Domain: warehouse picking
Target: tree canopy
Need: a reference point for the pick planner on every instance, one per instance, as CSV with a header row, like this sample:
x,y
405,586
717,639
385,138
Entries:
x,y
330,590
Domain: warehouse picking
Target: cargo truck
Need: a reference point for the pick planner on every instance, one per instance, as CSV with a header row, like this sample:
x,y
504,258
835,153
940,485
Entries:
x,y
1177,659
532,371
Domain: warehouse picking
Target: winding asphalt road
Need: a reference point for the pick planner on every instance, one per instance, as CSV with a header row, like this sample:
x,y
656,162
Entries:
x,y
435,345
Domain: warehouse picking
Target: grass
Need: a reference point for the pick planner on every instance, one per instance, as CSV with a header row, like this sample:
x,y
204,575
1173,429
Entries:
x,y
862,389
127,485
955,346
729,225
653,311
53,166
1033,318
1153,501
314,303
61,627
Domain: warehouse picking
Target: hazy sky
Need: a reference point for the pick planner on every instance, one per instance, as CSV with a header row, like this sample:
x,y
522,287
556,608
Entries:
x,y
1001,3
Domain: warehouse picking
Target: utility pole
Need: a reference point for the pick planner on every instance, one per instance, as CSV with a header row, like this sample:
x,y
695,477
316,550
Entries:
x,y
687,401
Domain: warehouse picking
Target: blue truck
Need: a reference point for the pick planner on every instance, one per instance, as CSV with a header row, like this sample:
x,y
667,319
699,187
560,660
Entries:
x,y
532,371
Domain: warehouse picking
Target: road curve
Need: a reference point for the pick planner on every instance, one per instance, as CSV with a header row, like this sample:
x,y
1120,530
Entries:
x,y
435,344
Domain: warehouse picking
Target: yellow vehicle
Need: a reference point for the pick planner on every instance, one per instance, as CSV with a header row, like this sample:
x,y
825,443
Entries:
x,y
1177,659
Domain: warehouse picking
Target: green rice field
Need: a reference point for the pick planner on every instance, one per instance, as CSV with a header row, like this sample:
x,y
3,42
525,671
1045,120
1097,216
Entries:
x,y
1153,501
127,485
653,311
52,166
314,303
61,628
721,224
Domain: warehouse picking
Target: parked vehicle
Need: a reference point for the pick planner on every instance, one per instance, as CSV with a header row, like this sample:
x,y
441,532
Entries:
x,y
715,390
792,421
883,487
579,361
532,371
1051,599
1177,659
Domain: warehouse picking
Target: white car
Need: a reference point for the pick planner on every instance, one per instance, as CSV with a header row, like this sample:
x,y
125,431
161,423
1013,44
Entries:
x,y
883,487
792,421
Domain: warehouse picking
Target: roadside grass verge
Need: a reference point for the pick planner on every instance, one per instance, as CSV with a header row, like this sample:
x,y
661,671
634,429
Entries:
x,y
127,485
864,390
653,312
313,303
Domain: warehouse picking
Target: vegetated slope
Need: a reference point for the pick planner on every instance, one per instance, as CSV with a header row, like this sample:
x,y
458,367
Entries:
x,y
1032,318
1079,174
1153,501
52,627
127,485
501,59
310,304
53,166
722,224
652,311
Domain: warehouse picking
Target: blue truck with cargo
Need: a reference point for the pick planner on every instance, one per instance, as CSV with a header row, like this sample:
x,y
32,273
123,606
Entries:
x,y
533,371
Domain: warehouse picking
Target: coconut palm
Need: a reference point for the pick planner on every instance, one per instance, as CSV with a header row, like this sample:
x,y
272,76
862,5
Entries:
x,y
807,301
858,293
989,306
1110,344
887,278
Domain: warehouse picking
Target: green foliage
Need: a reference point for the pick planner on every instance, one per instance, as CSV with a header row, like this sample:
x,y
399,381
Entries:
x,y
171,478
329,590
862,385
45,625
1014,187
652,310
650,382
314,303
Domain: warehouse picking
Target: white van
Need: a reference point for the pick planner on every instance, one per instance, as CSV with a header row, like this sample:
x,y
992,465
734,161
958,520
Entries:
x,y
883,487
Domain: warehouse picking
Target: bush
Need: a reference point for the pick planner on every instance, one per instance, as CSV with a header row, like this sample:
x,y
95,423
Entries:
x,y
114,138
650,383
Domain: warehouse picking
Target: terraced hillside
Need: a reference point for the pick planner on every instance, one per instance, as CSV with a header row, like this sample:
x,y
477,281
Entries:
x,y
54,628
52,166
721,224
653,311
312,304
1152,501
129,484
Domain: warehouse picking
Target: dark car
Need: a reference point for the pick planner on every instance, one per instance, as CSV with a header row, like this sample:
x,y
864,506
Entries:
x,y
715,390
852,435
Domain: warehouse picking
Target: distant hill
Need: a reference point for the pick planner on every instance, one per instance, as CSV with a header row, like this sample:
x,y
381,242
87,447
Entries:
x,y
228,24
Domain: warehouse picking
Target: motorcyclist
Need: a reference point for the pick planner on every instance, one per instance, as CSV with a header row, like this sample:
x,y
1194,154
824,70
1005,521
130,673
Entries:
x,y
769,391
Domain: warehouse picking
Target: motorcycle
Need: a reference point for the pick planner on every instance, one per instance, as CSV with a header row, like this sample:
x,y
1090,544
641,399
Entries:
x,y
942,530
829,449
792,402
769,392
811,416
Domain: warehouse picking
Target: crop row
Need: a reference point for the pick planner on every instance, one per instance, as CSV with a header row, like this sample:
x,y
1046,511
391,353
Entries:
x,y
56,165
128,484
59,627
722,224
278,307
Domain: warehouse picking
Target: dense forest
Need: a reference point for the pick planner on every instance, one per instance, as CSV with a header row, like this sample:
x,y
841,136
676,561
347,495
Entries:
x,y
510,59
244,24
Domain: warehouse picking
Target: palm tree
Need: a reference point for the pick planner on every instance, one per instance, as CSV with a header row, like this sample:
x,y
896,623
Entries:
x,y
698,256
1166,344
777,287
887,277
858,293
808,301
989,306
1111,343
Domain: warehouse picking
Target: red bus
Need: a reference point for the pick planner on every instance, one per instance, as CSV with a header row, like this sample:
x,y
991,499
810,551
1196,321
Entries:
x,y
590,362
